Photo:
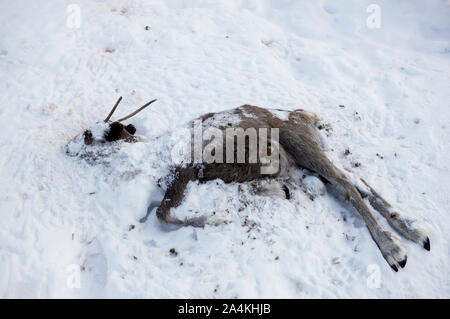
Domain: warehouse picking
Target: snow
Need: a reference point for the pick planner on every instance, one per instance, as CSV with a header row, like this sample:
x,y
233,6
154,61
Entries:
x,y
384,94
314,186
282,115
222,120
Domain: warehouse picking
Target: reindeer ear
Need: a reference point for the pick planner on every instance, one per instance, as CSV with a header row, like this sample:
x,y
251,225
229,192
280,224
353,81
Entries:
x,y
130,129
115,131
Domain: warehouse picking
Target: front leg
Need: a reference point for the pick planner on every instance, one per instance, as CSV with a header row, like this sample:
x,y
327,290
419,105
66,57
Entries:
x,y
408,227
174,196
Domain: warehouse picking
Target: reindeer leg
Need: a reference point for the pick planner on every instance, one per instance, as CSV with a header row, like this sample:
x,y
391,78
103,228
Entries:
x,y
175,192
174,196
407,227
389,244
307,152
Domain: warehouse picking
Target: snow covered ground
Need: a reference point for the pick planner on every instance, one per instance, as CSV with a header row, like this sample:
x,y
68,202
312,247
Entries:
x,y
383,92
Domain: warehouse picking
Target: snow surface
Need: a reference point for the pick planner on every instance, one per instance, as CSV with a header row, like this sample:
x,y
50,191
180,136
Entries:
x,y
382,93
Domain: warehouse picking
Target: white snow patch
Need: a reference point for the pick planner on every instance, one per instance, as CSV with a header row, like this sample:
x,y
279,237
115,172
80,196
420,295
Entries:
x,y
314,186
198,57
281,114
223,119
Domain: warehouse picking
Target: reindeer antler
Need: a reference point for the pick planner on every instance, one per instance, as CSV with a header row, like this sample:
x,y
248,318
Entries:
x,y
137,111
113,109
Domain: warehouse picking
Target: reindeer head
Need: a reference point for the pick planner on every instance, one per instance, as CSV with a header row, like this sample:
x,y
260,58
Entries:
x,y
106,131
114,131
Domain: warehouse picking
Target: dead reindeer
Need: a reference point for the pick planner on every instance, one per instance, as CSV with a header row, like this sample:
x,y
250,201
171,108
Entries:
x,y
299,146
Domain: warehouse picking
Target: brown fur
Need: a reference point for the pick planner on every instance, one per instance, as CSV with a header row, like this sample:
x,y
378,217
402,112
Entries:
x,y
300,144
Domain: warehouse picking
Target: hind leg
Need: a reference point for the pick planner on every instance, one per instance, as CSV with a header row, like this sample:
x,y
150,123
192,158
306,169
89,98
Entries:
x,y
407,227
389,244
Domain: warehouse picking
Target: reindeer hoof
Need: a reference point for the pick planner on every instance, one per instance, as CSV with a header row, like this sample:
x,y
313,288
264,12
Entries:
x,y
403,262
391,248
286,192
426,244
411,229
